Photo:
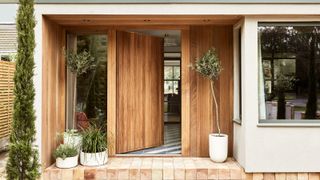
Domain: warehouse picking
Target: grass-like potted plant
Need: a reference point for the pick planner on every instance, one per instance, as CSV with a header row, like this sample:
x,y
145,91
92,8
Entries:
x,y
94,150
66,156
209,66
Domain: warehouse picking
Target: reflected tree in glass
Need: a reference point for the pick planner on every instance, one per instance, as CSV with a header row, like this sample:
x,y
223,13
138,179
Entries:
x,y
307,44
79,64
93,86
284,83
293,52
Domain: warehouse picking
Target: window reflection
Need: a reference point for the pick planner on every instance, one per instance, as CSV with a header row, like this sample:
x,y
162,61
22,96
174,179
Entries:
x,y
290,61
91,87
172,88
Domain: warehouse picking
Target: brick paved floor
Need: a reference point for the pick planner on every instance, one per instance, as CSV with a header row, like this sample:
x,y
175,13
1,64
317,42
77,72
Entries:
x,y
3,161
151,168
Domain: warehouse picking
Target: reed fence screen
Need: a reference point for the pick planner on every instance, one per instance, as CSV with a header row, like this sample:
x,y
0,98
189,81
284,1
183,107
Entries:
x,y
6,97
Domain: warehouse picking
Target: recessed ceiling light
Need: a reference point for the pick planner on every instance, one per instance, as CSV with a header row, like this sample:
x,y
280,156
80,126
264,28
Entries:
x,y
86,20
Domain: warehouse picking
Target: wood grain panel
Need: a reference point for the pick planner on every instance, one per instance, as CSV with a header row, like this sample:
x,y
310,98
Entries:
x,y
224,43
185,92
139,91
153,76
282,176
112,92
202,115
53,88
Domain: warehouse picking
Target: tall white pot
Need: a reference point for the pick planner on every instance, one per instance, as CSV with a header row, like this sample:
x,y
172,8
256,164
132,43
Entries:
x,y
218,147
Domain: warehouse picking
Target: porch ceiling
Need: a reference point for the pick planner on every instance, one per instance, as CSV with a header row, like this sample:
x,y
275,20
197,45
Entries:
x,y
118,20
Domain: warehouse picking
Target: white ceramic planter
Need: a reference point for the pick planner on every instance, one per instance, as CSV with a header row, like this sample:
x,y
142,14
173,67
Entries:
x,y
94,159
73,140
69,162
218,147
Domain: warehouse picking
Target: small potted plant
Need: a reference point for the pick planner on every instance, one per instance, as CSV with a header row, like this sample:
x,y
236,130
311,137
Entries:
x,y
73,138
209,66
66,156
94,150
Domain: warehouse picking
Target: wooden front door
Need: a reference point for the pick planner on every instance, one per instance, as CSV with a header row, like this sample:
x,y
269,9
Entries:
x,y
139,91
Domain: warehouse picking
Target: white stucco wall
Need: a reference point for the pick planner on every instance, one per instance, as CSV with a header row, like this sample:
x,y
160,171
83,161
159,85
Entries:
x,y
273,148
182,9
239,125
38,79
8,13
258,149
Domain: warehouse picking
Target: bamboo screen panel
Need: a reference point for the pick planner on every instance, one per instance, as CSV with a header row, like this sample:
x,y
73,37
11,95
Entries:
x,y
6,97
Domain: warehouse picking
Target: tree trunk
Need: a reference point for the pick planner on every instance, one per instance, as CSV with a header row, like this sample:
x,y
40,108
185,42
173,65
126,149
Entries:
x,y
74,102
281,112
311,109
216,107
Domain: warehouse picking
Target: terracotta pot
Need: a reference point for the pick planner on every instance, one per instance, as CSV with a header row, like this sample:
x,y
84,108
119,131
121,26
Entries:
x,y
82,120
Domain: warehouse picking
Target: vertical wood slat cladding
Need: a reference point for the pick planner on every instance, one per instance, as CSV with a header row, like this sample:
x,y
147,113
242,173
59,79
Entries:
x,y
53,88
202,121
139,92
112,92
283,176
185,93
195,90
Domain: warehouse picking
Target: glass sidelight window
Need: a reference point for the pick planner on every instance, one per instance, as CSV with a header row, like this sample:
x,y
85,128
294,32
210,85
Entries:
x,y
171,87
171,79
289,71
88,104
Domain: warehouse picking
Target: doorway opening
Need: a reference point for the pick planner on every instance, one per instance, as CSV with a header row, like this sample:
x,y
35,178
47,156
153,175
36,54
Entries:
x,y
170,143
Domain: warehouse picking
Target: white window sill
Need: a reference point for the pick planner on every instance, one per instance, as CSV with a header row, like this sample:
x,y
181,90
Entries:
x,y
237,121
288,123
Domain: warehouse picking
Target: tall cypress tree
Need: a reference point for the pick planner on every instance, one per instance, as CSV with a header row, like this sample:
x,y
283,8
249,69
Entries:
x,y
23,156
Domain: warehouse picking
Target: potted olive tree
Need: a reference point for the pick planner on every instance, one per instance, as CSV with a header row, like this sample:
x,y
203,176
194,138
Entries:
x,y
94,150
78,64
66,156
209,66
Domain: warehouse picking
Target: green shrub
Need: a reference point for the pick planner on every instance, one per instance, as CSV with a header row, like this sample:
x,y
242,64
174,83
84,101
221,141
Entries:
x,y
93,140
64,151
